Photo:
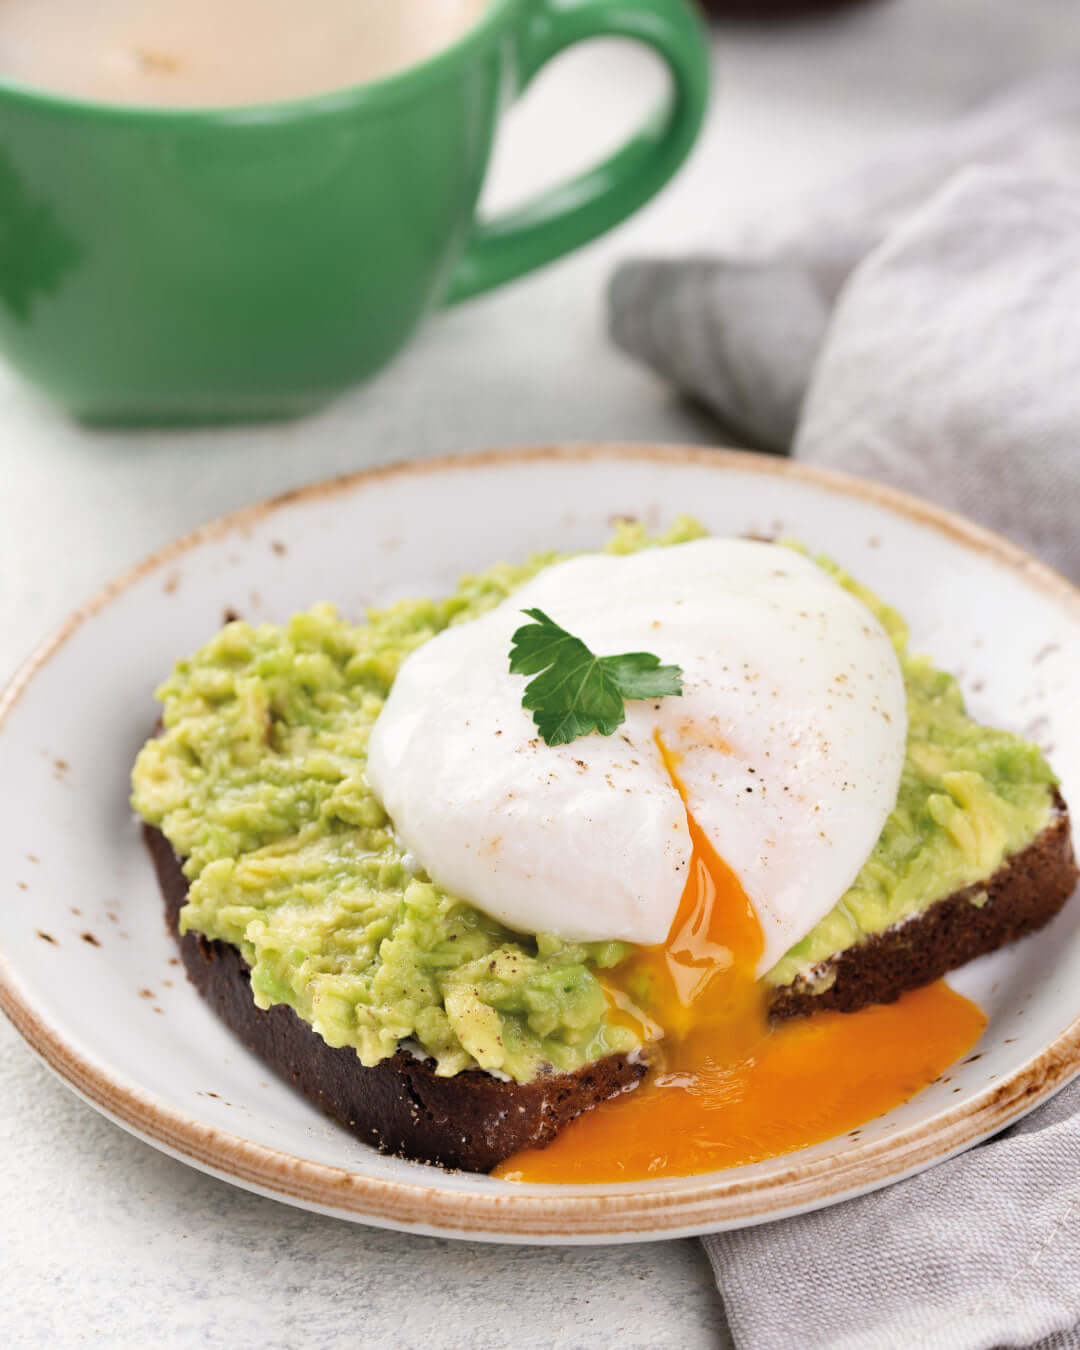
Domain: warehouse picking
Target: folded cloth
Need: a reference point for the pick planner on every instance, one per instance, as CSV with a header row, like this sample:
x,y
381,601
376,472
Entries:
x,y
981,1251
951,366
929,305
922,328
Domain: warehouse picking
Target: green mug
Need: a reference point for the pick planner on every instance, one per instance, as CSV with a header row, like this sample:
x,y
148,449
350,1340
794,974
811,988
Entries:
x,y
178,265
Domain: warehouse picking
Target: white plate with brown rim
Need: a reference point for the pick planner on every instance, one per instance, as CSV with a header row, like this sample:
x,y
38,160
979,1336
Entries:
x,y
90,977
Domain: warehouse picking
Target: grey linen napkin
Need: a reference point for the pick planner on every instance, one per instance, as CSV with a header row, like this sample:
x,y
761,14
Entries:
x,y
983,1251
921,327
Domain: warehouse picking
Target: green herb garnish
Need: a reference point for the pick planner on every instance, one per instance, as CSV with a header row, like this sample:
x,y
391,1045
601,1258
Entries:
x,y
576,692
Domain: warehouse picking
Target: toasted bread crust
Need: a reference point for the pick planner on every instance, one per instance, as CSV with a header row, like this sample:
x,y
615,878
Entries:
x,y
474,1121
471,1121
1024,893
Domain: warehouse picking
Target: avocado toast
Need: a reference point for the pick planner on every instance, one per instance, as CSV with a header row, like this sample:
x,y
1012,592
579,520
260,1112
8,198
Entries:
x,y
429,1028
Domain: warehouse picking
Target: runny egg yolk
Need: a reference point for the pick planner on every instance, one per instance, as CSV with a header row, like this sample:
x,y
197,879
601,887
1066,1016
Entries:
x,y
726,1087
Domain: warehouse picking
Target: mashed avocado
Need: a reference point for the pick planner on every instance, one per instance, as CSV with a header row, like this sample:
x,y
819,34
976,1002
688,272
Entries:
x,y
258,783
969,796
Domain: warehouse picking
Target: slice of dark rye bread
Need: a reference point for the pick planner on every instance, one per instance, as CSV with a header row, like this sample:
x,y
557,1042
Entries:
x,y
1024,893
473,1120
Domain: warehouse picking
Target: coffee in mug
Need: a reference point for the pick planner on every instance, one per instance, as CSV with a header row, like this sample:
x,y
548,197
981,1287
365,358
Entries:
x,y
220,53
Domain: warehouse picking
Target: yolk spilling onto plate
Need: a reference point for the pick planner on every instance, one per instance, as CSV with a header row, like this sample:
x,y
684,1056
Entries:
x,y
726,1087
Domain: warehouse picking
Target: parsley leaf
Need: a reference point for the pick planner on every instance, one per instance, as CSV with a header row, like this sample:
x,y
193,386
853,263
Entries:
x,y
576,692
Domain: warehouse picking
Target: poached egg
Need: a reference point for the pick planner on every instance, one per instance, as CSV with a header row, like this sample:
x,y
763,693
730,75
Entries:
x,y
785,748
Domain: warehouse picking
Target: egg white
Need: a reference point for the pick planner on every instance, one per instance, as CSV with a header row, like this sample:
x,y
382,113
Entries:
x,y
790,736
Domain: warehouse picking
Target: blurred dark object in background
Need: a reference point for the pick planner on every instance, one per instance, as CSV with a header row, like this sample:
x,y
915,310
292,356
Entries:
x,y
773,9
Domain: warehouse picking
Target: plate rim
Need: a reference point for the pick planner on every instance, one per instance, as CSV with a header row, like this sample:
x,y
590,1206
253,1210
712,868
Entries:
x,y
714,1201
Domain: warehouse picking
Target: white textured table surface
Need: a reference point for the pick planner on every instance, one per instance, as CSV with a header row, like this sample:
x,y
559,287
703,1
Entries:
x,y
102,1239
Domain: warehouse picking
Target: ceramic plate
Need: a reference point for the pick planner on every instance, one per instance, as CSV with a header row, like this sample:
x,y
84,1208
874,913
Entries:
x,y
91,979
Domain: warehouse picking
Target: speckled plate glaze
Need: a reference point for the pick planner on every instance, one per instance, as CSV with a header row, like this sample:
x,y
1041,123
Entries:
x,y
91,979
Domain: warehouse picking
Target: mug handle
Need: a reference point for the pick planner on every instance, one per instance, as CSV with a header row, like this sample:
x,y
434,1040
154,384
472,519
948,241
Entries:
x,y
570,215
